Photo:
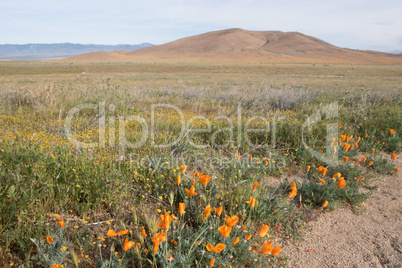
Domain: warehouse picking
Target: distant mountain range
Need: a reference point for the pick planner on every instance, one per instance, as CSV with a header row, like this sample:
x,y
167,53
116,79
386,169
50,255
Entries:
x,y
57,51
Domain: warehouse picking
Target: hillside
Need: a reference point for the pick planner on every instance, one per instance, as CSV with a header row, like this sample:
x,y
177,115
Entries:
x,y
243,45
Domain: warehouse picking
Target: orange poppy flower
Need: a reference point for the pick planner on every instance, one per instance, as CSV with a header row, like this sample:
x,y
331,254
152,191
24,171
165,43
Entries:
x,y
225,230
217,249
243,228
343,137
396,169
156,239
60,222
170,257
293,193
156,244
266,247
334,149
178,179
138,245
341,182
111,233
128,245
251,201
247,236
191,192
337,175
197,174
293,186
308,168
211,263
57,266
320,168
207,211
231,221
235,241
276,250
364,159
263,230
164,221
323,181
345,159
372,151
333,141
161,237
144,233
392,131
182,206
49,239
218,211
346,147
183,168
255,186
204,179
393,156
324,171
370,163
124,232
325,204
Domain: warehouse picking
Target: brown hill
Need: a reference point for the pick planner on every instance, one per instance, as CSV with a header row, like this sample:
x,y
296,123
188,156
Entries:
x,y
100,56
243,45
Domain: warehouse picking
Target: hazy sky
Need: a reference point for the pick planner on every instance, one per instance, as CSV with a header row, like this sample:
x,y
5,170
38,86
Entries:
x,y
358,24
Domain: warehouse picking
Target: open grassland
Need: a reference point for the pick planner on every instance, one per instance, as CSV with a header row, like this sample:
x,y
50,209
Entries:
x,y
261,134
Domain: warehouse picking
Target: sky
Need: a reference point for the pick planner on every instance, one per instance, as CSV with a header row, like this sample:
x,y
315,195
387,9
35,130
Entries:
x,y
356,24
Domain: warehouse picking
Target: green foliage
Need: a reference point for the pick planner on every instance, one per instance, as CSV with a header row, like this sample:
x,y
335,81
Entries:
x,y
51,253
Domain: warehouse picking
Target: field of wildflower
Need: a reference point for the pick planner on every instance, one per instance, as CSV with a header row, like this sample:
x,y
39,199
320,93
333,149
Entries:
x,y
185,164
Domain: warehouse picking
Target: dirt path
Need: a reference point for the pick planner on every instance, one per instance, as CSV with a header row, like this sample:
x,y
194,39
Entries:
x,y
344,239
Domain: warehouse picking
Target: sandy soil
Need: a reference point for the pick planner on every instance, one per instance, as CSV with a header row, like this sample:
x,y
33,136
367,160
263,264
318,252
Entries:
x,y
344,239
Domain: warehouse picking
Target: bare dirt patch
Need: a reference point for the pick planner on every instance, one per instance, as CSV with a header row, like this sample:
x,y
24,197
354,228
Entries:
x,y
342,238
